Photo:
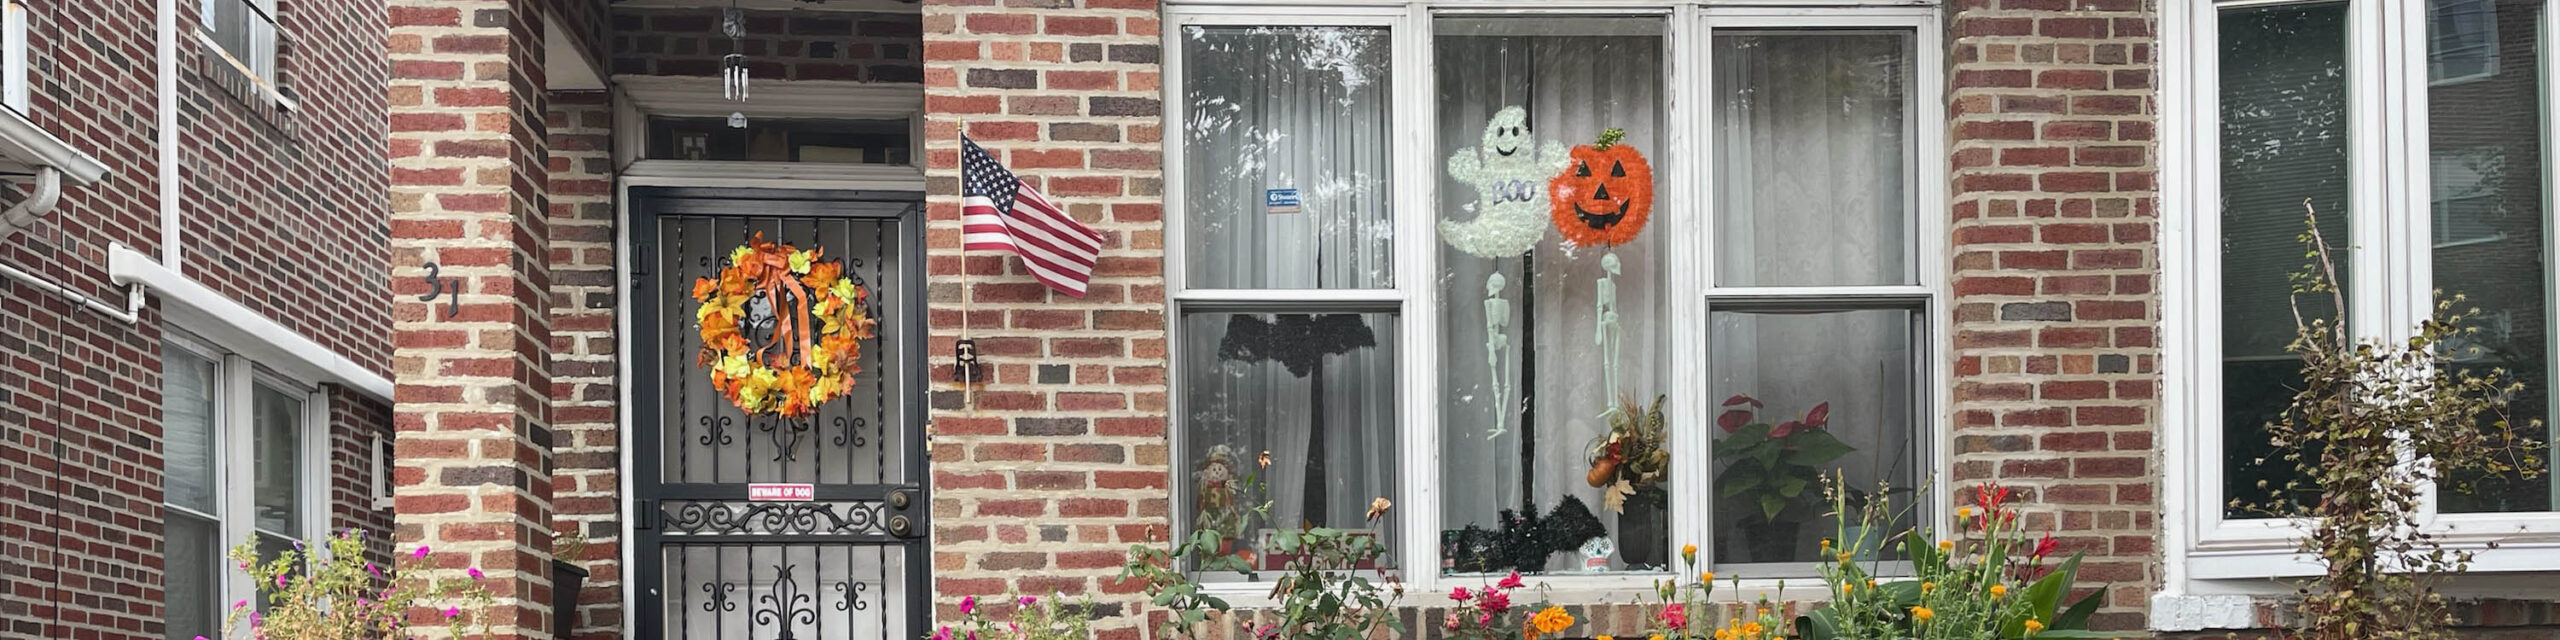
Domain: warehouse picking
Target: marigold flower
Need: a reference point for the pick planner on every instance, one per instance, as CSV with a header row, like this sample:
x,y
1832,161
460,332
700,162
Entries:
x,y
1689,552
1844,558
1705,577
1946,545
1552,620
2034,626
1922,614
1925,587
1999,590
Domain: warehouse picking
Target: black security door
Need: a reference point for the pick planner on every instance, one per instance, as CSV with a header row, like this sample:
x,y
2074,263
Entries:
x,y
847,561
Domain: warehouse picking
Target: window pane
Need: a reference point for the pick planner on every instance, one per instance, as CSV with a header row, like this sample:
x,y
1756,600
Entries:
x,y
1834,389
279,472
2490,225
2284,141
1317,393
1520,425
1285,167
194,563
781,140
1812,176
186,419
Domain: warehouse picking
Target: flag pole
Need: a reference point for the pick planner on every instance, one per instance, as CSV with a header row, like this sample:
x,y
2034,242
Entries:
x,y
961,370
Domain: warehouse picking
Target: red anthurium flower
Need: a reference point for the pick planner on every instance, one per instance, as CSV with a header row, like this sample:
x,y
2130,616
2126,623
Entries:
x,y
1739,399
1732,420
1787,429
1819,416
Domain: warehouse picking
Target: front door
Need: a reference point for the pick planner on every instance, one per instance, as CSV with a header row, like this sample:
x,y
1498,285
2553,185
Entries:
x,y
830,545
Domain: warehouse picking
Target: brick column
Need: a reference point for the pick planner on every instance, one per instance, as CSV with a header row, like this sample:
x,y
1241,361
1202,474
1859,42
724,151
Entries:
x,y
2055,270
1062,464
468,174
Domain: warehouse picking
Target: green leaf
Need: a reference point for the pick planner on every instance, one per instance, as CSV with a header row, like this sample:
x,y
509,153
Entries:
x,y
2077,617
1822,624
1792,486
1816,448
1770,505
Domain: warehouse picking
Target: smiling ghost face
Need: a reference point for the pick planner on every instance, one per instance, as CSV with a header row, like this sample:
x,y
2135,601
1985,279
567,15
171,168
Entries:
x,y
1604,195
1506,137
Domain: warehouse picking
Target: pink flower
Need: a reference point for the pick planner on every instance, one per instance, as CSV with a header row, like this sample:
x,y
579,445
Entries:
x,y
255,619
376,571
1451,622
1676,616
1460,594
1027,601
1484,619
1510,582
1494,601
421,554
968,605
942,634
451,612
242,604
476,574
279,581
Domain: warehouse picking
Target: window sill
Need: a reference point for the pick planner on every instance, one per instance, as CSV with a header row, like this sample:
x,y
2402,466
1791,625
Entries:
x,y
1621,588
259,95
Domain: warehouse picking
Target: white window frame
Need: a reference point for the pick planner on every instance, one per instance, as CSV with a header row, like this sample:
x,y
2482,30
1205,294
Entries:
x,y
266,30
235,386
1415,297
2210,555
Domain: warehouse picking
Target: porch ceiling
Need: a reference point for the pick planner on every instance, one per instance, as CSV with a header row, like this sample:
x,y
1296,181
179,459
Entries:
x,y
867,6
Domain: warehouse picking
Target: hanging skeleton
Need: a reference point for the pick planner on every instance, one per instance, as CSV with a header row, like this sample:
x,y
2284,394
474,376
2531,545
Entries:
x,y
1603,198
1504,171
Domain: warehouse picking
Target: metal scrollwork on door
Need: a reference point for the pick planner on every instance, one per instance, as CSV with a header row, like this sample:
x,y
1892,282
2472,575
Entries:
x,y
785,600
849,431
693,518
715,430
786,435
717,599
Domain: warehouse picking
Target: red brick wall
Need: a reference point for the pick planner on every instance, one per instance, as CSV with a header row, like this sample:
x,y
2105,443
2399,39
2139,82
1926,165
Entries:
x,y
283,213
1043,487
780,45
2051,128
585,402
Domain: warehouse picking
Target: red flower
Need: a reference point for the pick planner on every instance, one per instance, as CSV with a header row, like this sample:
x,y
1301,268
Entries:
x,y
1733,420
1460,594
2044,547
1511,581
1739,399
1819,416
1494,601
1786,429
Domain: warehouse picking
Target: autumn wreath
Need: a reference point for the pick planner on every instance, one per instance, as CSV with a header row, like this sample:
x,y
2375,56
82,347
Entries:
x,y
798,364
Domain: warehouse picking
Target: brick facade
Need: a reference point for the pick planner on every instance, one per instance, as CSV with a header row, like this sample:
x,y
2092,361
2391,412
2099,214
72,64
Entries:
x,y
785,45
1042,487
2051,121
586,484
281,212
470,168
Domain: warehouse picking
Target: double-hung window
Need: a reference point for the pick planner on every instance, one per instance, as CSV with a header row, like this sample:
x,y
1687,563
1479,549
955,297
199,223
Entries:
x,y
2424,158
245,31
242,456
1404,265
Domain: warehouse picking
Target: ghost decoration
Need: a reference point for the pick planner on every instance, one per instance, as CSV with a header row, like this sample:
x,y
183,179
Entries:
x,y
1504,169
1505,172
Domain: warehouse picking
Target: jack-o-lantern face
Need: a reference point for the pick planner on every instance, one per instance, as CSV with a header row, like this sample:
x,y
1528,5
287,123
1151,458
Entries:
x,y
1604,195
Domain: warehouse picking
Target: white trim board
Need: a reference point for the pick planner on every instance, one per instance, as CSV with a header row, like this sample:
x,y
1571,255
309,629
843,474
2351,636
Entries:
x,y
239,329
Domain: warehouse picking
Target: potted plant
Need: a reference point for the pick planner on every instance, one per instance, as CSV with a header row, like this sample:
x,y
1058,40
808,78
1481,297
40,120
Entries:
x,y
1629,465
1771,473
567,580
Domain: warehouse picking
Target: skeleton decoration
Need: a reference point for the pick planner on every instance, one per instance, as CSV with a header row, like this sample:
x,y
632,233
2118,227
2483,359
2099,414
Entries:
x,y
1504,170
1603,198
733,67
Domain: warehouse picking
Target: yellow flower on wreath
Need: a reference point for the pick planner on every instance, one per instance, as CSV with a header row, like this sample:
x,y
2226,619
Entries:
x,y
818,325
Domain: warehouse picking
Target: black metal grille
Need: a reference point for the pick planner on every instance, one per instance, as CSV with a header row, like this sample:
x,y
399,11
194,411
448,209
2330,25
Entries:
x,y
715,564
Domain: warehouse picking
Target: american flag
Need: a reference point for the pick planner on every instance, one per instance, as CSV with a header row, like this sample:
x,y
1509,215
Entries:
x,y
998,211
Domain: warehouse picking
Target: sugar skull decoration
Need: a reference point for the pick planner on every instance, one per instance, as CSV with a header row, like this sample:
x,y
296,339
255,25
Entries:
x,y
1605,194
1505,171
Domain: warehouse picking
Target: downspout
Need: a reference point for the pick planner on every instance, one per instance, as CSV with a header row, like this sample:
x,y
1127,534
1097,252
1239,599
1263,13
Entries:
x,y
170,253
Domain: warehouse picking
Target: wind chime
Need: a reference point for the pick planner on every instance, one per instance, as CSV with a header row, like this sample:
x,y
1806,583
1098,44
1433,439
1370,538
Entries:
x,y
733,67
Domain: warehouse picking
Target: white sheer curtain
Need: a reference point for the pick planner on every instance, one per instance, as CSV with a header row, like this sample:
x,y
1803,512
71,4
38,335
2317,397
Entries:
x,y
1576,77
1282,109
1812,189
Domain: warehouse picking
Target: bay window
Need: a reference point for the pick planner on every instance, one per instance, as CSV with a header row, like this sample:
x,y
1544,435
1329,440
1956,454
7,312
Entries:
x,y
1379,294
2417,135
242,460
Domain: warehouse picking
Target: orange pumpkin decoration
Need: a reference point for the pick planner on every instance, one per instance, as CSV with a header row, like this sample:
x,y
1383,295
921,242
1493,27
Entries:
x,y
1604,195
